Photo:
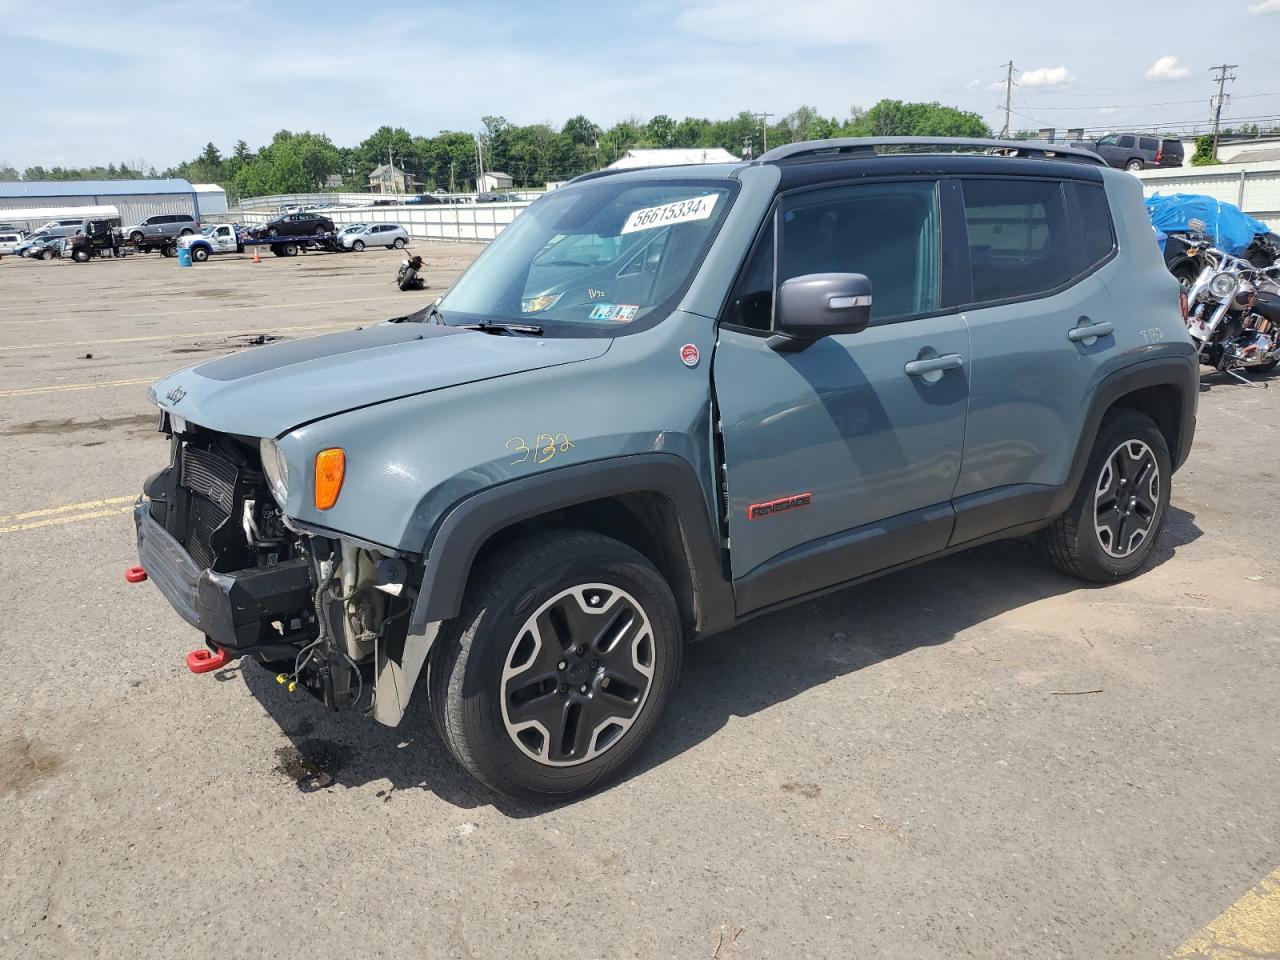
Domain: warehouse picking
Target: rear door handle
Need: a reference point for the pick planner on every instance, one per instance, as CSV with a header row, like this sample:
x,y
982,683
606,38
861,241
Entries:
x,y
1087,332
948,361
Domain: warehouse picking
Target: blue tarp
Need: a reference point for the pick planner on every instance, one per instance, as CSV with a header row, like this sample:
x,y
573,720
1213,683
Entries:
x,y
1232,229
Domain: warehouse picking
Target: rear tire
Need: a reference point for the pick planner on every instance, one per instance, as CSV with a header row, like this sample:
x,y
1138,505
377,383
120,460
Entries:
x,y
170,250
1134,165
1115,518
514,655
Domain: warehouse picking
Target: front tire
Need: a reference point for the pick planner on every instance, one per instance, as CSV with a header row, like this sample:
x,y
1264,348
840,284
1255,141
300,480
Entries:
x,y
1112,524
358,246
80,256
199,254
135,238
46,254
399,243
559,667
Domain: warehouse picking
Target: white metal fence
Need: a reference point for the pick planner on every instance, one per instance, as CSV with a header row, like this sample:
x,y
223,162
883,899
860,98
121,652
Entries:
x,y
475,222
273,204
1253,187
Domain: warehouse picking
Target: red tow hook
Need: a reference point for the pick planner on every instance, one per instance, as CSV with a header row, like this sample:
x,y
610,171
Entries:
x,y
135,574
205,660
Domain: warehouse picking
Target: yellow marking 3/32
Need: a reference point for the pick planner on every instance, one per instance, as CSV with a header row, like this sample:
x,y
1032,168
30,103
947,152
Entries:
x,y
545,447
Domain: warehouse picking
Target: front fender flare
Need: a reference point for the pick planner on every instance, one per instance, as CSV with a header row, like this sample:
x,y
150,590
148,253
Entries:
x,y
457,538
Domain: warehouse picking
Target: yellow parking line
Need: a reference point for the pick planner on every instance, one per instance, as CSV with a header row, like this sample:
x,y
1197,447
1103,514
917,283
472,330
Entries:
x,y
74,518
190,335
69,508
1249,928
31,391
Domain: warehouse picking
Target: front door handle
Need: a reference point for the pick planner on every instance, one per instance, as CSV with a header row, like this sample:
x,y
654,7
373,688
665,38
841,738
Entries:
x,y
1088,332
948,361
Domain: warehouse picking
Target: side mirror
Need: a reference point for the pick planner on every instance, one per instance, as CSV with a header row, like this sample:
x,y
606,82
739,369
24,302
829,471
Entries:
x,y
819,305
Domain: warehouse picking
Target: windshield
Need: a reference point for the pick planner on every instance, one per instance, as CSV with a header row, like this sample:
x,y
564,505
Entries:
x,y
604,258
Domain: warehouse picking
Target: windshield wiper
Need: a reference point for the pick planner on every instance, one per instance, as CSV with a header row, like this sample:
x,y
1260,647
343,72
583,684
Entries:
x,y
490,326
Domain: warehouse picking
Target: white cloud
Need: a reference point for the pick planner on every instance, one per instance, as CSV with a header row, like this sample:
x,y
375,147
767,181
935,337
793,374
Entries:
x,y
1168,68
1266,6
1045,77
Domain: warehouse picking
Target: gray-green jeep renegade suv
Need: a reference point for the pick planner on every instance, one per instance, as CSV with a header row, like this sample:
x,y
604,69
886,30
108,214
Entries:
x,y
663,401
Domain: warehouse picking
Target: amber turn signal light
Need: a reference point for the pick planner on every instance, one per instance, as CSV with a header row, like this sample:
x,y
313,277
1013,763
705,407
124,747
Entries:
x,y
331,466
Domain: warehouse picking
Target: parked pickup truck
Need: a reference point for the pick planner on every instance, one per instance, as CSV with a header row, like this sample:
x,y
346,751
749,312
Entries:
x,y
217,238
666,401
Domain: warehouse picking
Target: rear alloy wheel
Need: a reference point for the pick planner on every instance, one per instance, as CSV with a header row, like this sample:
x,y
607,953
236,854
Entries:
x,y
565,655
1115,518
357,246
1133,165
399,243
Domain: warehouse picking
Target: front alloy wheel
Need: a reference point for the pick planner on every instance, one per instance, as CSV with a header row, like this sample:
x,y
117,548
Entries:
x,y
578,674
559,666
1126,499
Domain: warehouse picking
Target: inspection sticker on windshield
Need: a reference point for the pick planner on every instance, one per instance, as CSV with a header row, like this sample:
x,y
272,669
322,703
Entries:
x,y
682,211
617,312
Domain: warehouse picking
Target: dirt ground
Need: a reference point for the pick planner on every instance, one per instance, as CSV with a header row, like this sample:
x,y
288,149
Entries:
x,y
975,758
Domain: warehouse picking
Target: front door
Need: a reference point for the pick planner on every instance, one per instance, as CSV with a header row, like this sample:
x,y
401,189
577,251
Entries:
x,y
841,458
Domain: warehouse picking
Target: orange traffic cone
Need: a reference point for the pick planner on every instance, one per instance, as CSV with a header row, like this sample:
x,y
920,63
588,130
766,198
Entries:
x,y
255,255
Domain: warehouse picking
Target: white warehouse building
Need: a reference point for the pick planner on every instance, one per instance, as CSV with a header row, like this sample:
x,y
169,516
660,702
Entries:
x,y
135,199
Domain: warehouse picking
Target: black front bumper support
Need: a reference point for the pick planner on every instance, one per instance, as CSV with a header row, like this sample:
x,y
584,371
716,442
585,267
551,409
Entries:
x,y
231,609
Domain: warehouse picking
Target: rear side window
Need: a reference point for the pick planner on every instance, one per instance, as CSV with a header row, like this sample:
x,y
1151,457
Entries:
x,y
1149,143
1019,238
1098,238
1126,141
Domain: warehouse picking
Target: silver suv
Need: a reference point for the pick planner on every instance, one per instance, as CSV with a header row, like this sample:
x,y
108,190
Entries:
x,y
164,226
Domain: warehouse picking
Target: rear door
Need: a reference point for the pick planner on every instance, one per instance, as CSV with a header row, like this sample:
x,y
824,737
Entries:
x,y
839,462
1037,252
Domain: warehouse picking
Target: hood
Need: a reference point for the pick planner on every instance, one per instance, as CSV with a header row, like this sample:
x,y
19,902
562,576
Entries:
x,y
267,391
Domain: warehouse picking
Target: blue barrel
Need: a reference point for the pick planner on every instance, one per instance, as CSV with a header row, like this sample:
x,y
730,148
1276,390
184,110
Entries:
x,y
184,256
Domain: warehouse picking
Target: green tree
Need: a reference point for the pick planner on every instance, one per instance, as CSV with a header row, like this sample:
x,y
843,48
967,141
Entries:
x,y
1203,156
660,130
581,131
894,118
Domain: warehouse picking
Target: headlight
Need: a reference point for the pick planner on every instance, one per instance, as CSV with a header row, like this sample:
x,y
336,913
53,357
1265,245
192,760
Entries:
x,y
538,304
276,470
1223,285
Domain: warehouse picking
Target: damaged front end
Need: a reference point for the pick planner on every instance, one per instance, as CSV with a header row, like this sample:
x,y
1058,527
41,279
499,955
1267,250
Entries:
x,y
326,612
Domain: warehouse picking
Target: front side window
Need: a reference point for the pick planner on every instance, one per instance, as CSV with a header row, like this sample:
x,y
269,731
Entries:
x,y
1019,242
603,258
887,231
1109,140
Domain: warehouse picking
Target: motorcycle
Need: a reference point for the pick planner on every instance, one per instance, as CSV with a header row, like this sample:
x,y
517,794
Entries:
x,y
1233,314
407,278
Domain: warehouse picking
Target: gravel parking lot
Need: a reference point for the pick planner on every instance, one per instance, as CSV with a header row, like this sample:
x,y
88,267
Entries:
x,y
974,758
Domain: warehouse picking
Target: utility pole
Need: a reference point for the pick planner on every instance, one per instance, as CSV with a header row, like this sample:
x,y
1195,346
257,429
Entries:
x,y
1008,99
479,166
1221,70
764,130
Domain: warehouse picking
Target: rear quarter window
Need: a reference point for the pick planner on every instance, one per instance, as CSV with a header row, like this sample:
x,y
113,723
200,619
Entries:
x,y
1149,143
1098,237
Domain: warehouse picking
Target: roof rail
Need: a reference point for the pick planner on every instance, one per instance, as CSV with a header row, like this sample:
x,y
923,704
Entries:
x,y
868,147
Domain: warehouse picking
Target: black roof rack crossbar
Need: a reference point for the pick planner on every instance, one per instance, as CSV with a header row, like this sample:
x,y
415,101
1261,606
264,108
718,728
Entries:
x,y
870,147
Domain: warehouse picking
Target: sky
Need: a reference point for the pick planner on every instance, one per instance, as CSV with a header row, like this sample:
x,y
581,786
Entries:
x,y
98,82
